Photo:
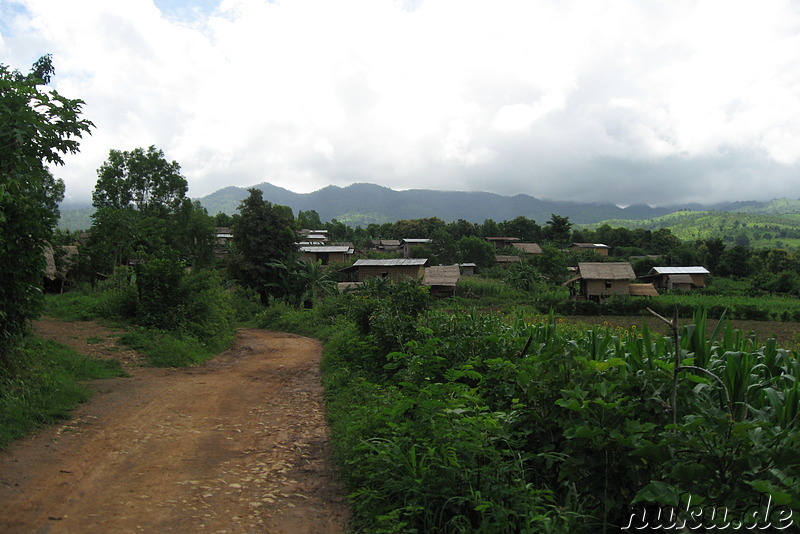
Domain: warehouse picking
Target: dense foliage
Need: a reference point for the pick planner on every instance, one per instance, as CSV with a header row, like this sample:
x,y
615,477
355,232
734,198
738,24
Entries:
x,y
475,422
37,127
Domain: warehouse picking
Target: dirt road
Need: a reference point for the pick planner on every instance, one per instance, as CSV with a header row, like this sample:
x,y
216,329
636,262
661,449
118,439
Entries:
x,y
237,445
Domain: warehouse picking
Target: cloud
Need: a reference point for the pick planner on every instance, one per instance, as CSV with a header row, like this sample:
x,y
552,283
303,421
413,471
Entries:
x,y
612,100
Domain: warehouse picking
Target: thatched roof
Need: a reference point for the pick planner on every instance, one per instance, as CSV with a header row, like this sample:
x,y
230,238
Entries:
x,y
643,290
507,259
442,275
528,248
621,270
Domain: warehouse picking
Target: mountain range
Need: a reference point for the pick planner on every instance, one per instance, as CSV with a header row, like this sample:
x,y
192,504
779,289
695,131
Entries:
x,y
362,204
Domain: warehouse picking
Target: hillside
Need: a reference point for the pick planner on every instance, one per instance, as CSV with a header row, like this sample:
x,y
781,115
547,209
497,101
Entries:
x,y
768,228
763,223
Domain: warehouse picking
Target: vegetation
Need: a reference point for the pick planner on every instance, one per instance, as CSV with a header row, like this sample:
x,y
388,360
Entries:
x,y
44,385
475,422
37,127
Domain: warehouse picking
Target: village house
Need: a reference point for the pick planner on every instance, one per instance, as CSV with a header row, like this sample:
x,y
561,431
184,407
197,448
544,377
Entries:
x,y
527,248
506,261
502,242
408,243
222,236
468,269
597,248
387,245
682,278
393,269
313,237
442,279
326,253
598,280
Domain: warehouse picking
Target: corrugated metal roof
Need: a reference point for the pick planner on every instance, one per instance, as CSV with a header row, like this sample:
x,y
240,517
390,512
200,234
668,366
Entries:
x,y
606,271
679,270
391,262
416,240
324,248
589,245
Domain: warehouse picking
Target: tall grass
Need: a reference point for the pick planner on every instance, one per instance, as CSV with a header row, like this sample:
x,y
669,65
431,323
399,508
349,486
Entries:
x,y
44,385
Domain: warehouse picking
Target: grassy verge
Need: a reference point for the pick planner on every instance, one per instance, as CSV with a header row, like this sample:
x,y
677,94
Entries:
x,y
163,348
45,385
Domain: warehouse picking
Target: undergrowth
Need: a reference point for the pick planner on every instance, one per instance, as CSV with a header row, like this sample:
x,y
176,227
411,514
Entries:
x,y
44,384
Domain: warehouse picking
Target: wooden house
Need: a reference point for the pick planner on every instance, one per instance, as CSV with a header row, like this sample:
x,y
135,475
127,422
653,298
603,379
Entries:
x,y
502,242
468,269
387,245
683,278
506,261
597,280
408,243
393,269
527,248
442,279
597,248
222,236
313,237
326,253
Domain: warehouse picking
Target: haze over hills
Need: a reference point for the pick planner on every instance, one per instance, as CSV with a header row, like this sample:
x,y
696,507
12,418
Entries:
x,y
362,204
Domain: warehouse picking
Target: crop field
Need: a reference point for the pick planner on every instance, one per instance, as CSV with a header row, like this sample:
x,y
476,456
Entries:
x,y
786,333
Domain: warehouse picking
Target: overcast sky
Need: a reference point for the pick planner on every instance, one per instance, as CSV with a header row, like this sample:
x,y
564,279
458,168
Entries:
x,y
660,102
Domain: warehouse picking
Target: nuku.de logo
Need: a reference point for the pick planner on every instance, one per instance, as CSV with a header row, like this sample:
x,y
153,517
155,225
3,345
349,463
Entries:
x,y
649,517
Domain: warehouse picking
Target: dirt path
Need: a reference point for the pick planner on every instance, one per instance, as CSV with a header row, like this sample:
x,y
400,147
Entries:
x,y
237,445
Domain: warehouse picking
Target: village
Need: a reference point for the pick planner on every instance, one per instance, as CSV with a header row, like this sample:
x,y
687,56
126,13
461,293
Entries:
x,y
589,280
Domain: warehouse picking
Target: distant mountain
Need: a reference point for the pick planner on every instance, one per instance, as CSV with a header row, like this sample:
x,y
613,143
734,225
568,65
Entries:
x,y
362,204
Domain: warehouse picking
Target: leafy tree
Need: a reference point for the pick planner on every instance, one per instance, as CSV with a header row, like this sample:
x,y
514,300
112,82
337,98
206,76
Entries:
x,y
143,213
736,261
308,219
37,127
552,263
522,227
263,235
475,250
558,230
140,179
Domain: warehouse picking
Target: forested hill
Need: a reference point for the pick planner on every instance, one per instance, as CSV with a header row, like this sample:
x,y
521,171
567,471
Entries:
x,y
362,204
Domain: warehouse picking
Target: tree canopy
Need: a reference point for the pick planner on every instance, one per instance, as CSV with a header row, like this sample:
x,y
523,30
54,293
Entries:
x,y
263,239
37,127
140,179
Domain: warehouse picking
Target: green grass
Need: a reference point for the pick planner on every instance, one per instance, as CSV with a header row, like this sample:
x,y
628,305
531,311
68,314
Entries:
x,y
166,349
44,384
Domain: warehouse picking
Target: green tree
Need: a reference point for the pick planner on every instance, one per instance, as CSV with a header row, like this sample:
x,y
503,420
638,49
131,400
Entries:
x,y
558,230
143,213
140,179
37,127
263,236
475,250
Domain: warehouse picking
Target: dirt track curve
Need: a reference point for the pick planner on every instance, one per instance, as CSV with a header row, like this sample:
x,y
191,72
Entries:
x,y
236,445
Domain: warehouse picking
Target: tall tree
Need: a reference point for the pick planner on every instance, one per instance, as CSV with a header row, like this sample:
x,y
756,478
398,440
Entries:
x,y
558,230
37,127
263,237
140,179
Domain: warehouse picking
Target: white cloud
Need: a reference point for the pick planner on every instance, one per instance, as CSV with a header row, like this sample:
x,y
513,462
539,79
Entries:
x,y
613,100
